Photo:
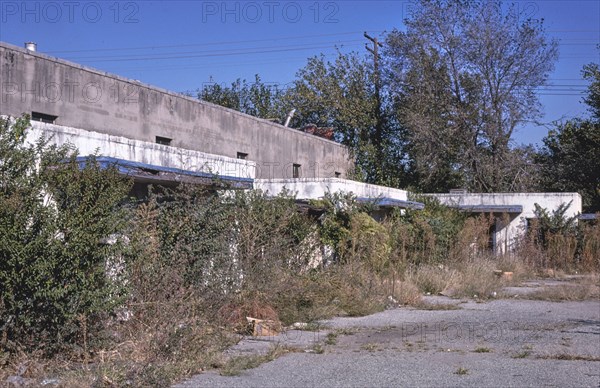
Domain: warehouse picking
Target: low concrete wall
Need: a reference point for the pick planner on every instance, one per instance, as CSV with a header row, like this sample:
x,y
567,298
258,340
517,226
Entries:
x,y
89,142
316,188
507,234
81,97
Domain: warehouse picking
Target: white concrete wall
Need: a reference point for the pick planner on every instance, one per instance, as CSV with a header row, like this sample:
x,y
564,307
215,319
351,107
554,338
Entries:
x,y
88,142
307,188
94,100
506,236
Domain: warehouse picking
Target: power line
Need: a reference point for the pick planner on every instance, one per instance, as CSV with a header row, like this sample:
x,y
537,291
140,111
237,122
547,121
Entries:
x,y
233,50
202,44
212,54
219,64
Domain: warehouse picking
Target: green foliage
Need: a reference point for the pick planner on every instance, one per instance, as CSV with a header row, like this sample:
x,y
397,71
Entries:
x,y
369,242
214,243
334,226
463,77
256,98
339,94
342,94
570,157
55,218
591,72
267,234
347,227
439,110
554,223
426,236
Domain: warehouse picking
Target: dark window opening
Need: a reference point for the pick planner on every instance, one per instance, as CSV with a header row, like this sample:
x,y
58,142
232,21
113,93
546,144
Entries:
x,y
492,237
43,117
163,140
338,174
242,155
296,171
150,171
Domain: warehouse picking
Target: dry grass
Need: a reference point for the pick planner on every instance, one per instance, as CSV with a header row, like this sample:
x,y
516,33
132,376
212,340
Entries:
x,y
474,279
370,347
433,279
590,252
235,365
461,371
175,333
148,356
405,292
569,357
477,280
437,306
588,287
522,354
517,264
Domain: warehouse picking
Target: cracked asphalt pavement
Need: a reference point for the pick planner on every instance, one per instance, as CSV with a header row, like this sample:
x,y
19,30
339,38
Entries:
x,y
498,343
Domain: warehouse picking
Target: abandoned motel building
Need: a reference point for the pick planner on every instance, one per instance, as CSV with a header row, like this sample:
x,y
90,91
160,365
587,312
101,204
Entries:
x,y
160,137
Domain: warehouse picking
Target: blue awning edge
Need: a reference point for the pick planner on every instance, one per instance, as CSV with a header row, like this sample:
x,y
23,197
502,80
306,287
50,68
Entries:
x,y
386,202
150,173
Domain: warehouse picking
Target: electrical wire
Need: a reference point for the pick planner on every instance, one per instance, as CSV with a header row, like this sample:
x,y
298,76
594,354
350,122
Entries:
x,y
204,44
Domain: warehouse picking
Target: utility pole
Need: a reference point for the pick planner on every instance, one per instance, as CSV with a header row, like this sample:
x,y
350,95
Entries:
x,y
378,135
375,53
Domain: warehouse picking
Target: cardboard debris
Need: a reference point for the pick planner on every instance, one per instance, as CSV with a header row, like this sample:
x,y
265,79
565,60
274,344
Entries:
x,y
504,275
263,327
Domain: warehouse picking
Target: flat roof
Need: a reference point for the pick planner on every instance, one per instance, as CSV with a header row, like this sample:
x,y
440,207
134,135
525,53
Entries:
x,y
42,55
150,173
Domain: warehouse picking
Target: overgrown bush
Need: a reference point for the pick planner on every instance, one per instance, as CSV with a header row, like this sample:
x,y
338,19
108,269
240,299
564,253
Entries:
x,y
589,243
556,241
426,236
183,269
55,219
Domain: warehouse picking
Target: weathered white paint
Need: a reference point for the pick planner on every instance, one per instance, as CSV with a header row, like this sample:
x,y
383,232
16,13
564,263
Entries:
x,y
89,142
309,188
90,99
508,233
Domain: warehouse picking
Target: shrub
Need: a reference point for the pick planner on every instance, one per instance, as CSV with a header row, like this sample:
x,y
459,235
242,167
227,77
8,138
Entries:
x,y
55,218
426,236
589,243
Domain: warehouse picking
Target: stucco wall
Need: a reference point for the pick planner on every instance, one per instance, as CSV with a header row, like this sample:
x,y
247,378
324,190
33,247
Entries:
x,y
96,101
316,188
507,234
89,142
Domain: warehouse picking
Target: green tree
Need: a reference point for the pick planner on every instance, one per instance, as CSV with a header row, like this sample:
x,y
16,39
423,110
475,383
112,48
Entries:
x,y
571,161
464,76
591,72
339,94
55,218
570,157
257,98
342,94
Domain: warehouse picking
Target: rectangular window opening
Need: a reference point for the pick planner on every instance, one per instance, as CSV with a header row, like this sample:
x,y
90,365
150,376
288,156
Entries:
x,y
43,117
296,171
337,174
163,140
242,155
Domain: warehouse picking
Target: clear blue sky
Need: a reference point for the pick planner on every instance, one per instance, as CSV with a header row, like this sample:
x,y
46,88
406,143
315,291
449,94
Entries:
x,y
181,45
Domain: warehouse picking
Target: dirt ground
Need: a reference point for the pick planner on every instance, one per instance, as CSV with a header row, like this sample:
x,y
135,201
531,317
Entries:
x,y
508,342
